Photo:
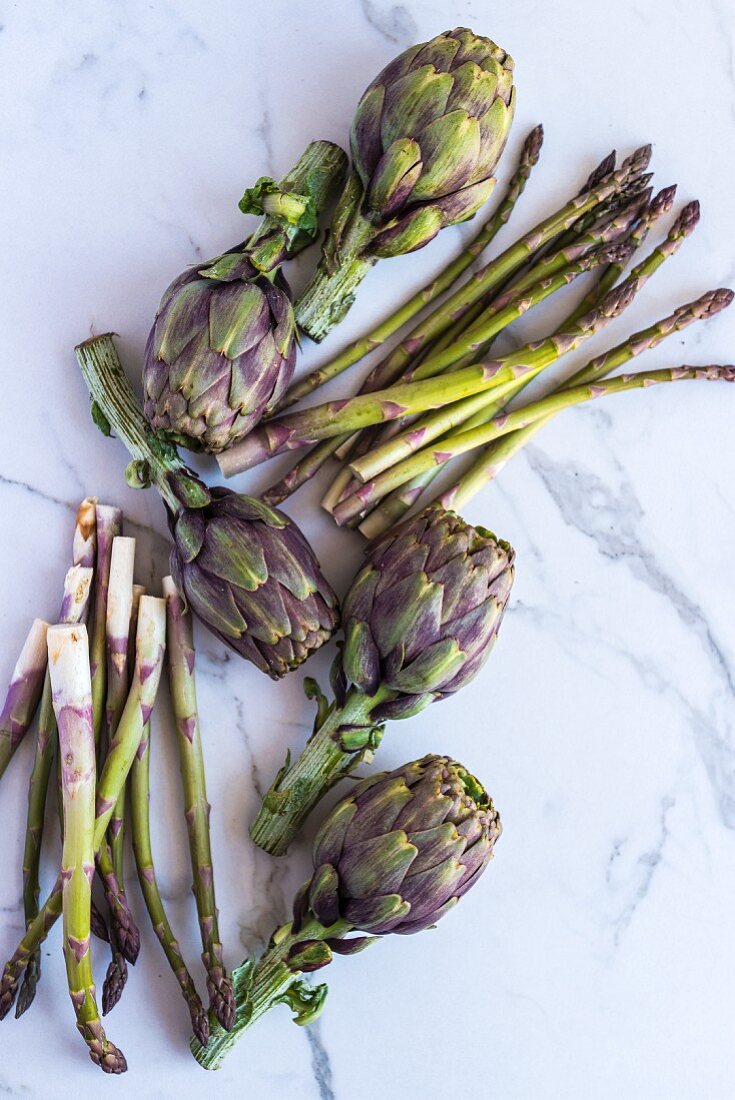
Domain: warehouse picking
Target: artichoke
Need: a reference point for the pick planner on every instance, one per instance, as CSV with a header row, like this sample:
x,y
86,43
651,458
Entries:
x,y
401,850
419,621
394,856
425,141
421,617
249,574
245,569
221,352
222,349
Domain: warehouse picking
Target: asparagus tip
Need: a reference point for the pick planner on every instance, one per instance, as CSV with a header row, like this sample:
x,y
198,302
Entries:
x,y
8,989
200,1022
222,1001
603,169
114,984
638,161
532,145
27,993
687,220
663,201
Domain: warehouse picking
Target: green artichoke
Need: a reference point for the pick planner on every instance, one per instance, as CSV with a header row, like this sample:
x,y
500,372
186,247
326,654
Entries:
x,y
222,349
425,141
419,621
394,856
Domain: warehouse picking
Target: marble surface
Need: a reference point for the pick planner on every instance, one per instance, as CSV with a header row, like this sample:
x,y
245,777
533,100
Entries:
x,y
596,958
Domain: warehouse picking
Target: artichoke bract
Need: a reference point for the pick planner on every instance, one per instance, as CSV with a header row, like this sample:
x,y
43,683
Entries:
x,y
244,568
247,571
222,349
425,141
419,621
394,856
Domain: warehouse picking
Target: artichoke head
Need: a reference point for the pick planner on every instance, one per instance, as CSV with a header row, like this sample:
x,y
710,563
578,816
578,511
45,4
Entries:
x,y
250,575
422,616
221,353
427,136
401,850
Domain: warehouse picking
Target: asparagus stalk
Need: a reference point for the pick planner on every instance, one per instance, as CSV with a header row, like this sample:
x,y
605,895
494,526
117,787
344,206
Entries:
x,y
24,692
72,699
452,446
140,818
77,587
298,429
181,659
404,498
498,454
499,270
108,527
150,648
377,336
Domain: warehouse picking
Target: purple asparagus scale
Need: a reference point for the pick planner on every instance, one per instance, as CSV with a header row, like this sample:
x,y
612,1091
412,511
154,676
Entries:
x,y
74,608
72,699
140,821
150,648
393,857
420,620
181,659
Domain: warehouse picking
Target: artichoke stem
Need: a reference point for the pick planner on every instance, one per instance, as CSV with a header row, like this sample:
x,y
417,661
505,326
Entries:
x,y
330,294
296,791
260,989
113,397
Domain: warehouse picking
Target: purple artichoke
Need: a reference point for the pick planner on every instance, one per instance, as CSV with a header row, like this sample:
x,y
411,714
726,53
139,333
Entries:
x,y
221,353
250,575
425,140
422,616
401,850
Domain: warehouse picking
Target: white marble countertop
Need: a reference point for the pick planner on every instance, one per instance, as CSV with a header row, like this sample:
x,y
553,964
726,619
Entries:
x,y
596,958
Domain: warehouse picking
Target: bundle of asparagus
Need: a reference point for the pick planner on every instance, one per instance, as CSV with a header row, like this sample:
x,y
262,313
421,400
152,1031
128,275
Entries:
x,y
438,395
94,718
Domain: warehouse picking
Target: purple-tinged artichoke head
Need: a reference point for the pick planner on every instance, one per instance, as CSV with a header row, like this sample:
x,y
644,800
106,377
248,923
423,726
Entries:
x,y
428,134
250,575
401,850
422,616
221,353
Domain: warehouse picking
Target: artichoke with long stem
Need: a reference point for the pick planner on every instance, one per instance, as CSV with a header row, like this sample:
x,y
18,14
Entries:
x,y
419,620
222,349
394,856
245,569
425,141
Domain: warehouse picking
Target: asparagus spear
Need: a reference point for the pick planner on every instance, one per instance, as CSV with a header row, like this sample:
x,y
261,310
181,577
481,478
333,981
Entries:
x,y
24,692
354,352
72,699
406,496
298,429
452,446
108,527
140,820
496,455
183,695
313,461
150,648
77,587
